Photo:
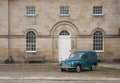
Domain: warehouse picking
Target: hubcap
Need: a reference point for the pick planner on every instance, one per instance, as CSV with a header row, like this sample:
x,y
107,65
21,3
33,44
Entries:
x,y
78,69
93,67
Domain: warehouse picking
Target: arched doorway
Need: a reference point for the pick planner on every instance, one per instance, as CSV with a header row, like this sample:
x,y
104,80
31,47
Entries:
x,y
63,31
64,45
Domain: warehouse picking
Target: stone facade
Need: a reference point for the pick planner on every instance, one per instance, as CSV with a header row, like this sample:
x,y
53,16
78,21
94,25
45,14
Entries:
x,y
48,23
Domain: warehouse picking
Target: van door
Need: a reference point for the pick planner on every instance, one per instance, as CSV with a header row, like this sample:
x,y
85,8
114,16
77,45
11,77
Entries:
x,y
85,60
91,59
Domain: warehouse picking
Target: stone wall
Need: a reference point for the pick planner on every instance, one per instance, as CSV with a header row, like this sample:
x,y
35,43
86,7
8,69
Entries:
x,y
48,15
3,49
48,23
3,30
112,49
4,17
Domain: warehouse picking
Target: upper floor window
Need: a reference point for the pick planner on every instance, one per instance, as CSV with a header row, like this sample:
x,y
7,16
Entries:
x,y
31,42
97,10
98,41
30,11
64,10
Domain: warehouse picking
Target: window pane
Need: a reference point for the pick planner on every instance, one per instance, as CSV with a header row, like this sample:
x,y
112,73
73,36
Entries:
x,y
64,9
98,41
97,9
31,41
64,32
30,10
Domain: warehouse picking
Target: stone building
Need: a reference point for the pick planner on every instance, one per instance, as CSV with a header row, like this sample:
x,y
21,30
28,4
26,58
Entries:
x,y
55,28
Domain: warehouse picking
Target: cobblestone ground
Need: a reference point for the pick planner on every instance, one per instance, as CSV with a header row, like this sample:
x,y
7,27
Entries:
x,y
22,72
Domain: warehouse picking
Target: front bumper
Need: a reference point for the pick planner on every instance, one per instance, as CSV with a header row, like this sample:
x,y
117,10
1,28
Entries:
x,y
67,66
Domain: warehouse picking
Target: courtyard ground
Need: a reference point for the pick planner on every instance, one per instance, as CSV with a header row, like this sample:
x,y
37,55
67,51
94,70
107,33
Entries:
x,y
50,73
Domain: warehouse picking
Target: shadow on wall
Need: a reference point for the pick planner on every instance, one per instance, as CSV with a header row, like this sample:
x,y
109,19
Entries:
x,y
107,57
9,60
117,60
16,56
100,56
34,58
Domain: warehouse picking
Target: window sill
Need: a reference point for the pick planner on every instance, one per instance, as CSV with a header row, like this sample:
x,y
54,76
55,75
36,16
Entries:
x,y
31,51
30,15
64,15
97,15
99,50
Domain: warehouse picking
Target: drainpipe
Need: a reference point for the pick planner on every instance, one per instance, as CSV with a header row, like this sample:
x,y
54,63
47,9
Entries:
x,y
9,54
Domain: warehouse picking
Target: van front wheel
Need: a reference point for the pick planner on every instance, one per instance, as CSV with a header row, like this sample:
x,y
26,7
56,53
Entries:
x,y
78,68
62,69
93,68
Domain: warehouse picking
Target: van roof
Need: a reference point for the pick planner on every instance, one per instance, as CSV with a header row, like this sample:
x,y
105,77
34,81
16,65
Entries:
x,y
81,51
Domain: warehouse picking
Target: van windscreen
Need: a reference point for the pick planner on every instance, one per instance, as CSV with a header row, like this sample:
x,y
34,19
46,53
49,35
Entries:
x,y
76,55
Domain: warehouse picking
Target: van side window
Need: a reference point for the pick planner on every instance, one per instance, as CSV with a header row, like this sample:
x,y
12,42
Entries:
x,y
84,56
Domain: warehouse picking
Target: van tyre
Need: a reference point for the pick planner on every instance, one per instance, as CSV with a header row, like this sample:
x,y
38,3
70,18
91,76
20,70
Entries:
x,y
62,69
93,68
78,68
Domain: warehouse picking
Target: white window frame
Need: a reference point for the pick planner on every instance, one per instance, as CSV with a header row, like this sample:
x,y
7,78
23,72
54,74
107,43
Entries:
x,y
30,11
64,10
29,43
102,44
97,13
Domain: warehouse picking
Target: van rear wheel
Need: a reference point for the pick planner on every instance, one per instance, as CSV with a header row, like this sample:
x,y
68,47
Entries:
x,y
93,68
78,68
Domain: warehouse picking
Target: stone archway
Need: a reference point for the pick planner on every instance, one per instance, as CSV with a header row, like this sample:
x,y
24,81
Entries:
x,y
56,34
64,25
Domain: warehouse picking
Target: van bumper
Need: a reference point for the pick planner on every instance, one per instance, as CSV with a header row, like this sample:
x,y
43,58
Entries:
x,y
67,67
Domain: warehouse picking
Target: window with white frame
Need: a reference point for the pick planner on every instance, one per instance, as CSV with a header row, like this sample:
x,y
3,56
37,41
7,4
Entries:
x,y
98,41
30,10
31,41
97,10
64,10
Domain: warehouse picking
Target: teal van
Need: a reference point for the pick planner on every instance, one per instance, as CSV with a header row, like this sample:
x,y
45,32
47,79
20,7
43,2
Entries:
x,y
80,59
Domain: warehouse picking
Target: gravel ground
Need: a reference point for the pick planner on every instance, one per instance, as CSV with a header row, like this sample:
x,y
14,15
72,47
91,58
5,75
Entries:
x,y
47,81
53,70
50,73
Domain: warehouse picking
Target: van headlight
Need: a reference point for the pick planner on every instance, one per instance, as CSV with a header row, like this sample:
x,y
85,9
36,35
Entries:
x,y
73,62
62,62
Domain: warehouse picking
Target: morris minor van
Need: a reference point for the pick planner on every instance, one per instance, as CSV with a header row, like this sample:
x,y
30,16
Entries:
x,y
80,59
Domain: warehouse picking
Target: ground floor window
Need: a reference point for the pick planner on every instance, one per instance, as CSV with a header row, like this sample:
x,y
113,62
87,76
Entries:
x,y
31,41
98,41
